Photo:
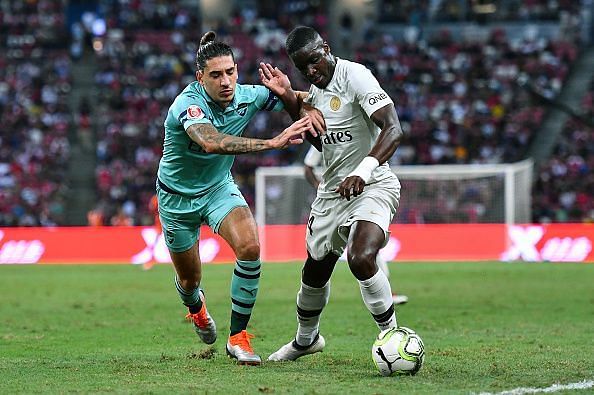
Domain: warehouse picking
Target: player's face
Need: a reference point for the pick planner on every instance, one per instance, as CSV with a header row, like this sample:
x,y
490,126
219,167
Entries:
x,y
219,78
316,63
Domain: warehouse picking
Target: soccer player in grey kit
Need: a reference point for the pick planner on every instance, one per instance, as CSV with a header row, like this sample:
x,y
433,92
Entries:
x,y
358,195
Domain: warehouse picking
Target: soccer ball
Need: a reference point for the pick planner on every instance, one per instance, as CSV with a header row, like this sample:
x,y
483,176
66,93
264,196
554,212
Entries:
x,y
398,350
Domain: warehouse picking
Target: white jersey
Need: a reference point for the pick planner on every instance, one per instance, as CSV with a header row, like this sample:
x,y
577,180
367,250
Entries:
x,y
347,104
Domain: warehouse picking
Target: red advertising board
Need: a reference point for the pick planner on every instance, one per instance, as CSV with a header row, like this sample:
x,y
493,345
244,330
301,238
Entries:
x,y
452,242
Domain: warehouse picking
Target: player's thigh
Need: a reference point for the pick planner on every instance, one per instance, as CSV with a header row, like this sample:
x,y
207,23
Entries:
x,y
365,240
228,214
240,231
321,230
377,205
180,220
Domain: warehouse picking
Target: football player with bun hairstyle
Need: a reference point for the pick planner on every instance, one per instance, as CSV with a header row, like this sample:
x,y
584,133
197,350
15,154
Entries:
x,y
203,133
358,194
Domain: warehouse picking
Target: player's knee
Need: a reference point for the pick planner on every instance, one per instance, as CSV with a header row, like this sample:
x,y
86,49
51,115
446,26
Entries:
x,y
248,250
317,273
190,282
362,262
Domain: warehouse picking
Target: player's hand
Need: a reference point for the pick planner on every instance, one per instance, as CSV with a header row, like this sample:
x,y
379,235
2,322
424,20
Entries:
x,y
351,186
317,119
274,79
292,135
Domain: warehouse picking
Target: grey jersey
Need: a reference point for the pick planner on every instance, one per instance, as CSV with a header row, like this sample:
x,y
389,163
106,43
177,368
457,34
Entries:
x,y
347,103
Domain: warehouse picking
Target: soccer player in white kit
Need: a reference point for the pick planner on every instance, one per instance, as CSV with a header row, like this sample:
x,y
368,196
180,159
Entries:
x,y
358,195
311,162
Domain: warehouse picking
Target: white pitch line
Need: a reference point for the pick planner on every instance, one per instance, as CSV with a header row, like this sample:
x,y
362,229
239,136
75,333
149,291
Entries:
x,y
582,385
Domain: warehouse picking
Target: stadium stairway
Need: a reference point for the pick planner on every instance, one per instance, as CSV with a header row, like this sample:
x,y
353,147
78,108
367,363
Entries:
x,y
81,172
560,109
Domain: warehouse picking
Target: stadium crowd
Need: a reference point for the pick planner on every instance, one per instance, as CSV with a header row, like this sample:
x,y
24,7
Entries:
x,y
34,86
564,189
458,101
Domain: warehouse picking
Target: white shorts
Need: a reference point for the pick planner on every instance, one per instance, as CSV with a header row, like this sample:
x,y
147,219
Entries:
x,y
330,220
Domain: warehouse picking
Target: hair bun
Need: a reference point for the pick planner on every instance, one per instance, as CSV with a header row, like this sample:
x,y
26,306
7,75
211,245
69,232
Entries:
x,y
208,37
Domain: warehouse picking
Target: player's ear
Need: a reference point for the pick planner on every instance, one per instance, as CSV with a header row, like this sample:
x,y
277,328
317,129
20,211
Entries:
x,y
199,75
326,47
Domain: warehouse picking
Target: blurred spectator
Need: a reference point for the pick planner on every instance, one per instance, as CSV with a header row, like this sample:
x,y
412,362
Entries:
x,y
564,188
34,84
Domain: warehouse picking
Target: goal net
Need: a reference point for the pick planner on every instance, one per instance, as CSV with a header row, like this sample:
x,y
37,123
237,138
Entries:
x,y
430,194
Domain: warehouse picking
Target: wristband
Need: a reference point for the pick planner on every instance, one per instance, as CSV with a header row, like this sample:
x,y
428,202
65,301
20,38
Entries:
x,y
365,168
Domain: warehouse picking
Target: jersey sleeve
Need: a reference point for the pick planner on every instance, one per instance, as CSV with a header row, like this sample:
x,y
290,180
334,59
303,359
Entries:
x,y
313,157
189,111
266,100
368,92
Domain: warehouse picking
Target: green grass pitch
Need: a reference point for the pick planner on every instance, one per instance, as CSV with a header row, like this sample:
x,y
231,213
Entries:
x,y
116,328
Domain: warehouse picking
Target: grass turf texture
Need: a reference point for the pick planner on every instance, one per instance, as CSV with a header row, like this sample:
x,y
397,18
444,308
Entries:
x,y
486,327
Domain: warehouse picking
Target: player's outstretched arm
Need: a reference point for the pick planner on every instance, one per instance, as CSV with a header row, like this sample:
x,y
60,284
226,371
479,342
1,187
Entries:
x,y
214,142
279,84
385,146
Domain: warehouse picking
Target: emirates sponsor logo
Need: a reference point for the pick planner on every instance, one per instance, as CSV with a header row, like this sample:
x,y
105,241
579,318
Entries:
x,y
524,240
20,251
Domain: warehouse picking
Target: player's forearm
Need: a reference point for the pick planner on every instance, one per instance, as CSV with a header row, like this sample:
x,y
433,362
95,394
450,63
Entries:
x,y
292,104
214,142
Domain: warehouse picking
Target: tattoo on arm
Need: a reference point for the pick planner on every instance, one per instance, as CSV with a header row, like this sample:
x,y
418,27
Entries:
x,y
215,142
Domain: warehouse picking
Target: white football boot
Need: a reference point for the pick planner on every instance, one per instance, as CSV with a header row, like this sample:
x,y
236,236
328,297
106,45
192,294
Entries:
x,y
291,351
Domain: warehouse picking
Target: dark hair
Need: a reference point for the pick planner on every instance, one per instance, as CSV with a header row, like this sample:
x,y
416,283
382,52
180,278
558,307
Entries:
x,y
209,48
299,38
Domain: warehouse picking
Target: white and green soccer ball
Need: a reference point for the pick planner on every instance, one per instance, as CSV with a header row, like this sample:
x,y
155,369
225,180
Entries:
x,y
398,351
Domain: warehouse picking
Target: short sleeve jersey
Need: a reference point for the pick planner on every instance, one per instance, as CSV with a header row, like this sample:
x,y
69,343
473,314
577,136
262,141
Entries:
x,y
347,103
184,166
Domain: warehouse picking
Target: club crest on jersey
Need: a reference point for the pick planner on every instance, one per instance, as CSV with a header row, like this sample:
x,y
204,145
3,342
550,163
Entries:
x,y
334,103
194,112
242,109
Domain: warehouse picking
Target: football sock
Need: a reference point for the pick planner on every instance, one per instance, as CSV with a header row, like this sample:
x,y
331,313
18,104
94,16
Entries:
x,y
244,288
382,264
310,303
189,298
377,296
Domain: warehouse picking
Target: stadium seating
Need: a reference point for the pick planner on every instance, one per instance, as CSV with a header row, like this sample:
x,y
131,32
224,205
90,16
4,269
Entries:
x,y
34,87
458,101
564,188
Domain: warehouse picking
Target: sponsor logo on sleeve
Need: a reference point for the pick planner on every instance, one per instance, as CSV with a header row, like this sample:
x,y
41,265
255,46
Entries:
x,y
194,112
377,98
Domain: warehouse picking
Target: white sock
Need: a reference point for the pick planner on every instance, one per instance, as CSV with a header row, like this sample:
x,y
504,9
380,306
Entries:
x,y
310,303
382,264
377,296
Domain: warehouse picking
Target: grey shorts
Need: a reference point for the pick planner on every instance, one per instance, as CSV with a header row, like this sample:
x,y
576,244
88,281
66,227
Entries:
x,y
330,220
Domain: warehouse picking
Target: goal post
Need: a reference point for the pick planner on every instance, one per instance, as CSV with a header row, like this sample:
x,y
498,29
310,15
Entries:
x,y
499,193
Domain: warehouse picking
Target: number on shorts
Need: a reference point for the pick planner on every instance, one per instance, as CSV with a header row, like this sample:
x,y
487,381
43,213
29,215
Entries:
x,y
309,224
